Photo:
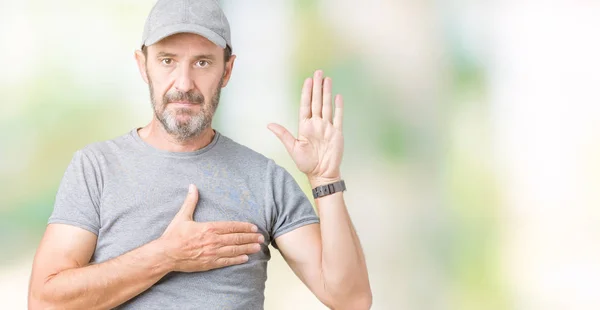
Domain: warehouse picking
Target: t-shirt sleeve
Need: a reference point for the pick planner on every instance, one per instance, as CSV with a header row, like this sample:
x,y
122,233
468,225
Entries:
x,y
292,207
78,197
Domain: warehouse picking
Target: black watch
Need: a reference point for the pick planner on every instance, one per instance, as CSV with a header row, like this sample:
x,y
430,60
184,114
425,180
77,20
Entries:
x,y
329,189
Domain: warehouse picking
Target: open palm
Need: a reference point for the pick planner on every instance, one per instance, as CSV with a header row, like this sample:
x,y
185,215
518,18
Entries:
x,y
318,149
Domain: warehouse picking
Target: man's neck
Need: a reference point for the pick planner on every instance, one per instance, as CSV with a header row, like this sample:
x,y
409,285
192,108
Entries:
x,y
155,135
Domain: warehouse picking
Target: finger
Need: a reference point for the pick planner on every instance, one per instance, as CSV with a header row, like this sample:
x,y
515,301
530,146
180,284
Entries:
x,y
234,227
327,99
189,205
229,261
305,98
339,112
317,94
241,238
284,136
236,250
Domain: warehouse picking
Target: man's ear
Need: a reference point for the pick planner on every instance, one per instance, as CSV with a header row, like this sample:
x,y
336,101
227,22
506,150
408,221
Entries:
x,y
141,63
228,69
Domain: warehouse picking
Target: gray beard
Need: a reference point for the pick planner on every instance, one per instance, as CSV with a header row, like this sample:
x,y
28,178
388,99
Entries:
x,y
183,130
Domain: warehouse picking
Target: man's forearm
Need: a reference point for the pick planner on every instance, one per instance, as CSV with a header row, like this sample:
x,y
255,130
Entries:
x,y
105,285
343,264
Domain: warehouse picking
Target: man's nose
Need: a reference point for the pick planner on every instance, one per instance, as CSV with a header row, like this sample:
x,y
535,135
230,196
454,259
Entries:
x,y
184,82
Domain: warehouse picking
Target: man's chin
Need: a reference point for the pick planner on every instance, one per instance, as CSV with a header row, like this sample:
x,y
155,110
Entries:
x,y
181,109
184,129
182,133
180,115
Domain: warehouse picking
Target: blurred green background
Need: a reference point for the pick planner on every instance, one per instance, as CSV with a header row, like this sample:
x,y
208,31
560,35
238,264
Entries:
x,y
472,128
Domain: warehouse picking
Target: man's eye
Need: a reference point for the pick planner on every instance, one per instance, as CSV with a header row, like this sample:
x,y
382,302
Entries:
x,y
166,61
202,63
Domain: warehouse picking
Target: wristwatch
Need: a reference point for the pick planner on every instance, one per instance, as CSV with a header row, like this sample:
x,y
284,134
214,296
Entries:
x,y
329,189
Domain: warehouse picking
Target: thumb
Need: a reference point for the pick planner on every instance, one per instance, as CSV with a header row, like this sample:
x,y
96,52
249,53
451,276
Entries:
x,y
284,136
189,205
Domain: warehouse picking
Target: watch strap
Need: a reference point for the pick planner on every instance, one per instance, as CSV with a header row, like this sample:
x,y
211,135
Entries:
x,y
328,189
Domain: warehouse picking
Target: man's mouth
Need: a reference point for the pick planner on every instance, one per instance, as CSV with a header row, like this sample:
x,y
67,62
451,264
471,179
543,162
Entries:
x,y
184,103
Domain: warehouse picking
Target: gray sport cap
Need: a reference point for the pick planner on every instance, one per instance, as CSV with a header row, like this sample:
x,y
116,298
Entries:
x,y
202,17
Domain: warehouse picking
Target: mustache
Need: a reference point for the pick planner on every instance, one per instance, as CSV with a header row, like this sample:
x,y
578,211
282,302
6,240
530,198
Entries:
x,y
197,98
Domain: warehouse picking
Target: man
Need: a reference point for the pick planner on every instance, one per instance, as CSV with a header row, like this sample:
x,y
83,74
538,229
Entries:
x,y
120,236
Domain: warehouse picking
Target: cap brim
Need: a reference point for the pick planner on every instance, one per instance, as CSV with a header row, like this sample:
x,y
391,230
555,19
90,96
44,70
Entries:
x,y
170,30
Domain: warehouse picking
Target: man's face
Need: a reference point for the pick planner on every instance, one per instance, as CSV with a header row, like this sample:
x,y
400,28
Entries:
x,y
185,73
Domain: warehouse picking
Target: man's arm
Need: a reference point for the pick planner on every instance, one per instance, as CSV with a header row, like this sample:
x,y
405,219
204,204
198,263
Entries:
x,y
327,258
63,278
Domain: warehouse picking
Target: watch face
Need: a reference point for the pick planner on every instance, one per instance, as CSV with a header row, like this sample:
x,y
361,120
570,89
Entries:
x,y
328,189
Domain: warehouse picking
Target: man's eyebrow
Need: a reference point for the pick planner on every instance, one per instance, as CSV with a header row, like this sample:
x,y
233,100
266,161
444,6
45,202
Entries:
x,y
165,54
201,56
205,56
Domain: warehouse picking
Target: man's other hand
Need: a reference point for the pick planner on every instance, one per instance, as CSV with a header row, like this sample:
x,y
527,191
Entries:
x,y
192,246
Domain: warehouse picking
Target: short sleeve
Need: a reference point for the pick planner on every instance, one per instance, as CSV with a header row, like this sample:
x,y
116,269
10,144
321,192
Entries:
x,y
292,207
78,197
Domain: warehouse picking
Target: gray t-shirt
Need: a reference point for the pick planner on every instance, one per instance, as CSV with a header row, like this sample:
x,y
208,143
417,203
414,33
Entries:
x,y
127,192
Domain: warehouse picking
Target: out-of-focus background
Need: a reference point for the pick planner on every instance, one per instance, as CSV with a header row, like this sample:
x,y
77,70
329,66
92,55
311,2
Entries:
x,y
472,134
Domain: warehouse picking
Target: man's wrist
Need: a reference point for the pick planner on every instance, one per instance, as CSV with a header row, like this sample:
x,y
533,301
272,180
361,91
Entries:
x,y
165,263
320,181
329,189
